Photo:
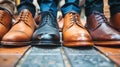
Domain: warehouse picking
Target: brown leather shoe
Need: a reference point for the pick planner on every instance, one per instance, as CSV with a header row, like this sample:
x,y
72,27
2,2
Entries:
x,y
21,32
101,32
115,21
74,33
5,22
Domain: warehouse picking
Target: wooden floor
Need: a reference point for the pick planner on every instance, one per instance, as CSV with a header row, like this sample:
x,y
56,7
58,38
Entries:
x,y
50,56
28,56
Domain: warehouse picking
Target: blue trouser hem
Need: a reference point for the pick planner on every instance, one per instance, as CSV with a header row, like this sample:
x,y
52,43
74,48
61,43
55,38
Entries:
x,y
27,5
70,7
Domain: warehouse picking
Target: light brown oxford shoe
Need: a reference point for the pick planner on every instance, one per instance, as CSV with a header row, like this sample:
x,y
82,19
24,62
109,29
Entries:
x,y
21,31
74,33
5,22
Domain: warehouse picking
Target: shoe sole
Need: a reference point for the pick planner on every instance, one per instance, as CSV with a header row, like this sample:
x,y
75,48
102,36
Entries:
x,y
107,43
4,43
45,43
80,43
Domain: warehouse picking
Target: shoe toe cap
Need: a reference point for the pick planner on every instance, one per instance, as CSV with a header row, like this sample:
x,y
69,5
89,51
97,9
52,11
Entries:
x,y
15,37
45,37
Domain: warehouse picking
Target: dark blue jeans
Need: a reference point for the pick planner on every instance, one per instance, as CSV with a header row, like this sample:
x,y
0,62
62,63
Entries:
x,y
26,4
91,5
50,5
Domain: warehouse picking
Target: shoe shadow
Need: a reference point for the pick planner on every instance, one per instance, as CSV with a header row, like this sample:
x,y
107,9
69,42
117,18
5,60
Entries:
x,y
81,48
46,46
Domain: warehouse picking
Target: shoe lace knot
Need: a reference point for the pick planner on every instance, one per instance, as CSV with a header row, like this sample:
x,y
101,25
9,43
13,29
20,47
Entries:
x,y
23,17
75,19
26,17
100,17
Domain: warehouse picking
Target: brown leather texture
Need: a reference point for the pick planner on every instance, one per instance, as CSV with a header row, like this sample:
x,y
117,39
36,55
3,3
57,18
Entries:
x,y
102,33
22,29
5,22
74,33
115,21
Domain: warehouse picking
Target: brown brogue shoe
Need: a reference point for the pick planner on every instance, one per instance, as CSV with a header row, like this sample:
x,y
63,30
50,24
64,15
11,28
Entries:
x,y
101,32
74,33
115,21
21,31
5,22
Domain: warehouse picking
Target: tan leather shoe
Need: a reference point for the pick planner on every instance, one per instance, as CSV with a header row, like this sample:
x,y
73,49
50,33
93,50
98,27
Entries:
x,y
74,33
22,30
5,22
101,32
115,21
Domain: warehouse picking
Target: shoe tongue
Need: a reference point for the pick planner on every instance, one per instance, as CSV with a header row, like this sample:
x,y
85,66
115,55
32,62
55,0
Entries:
x,y
47,18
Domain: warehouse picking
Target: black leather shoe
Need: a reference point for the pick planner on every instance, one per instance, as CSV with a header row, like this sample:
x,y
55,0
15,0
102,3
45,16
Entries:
x,y
48,31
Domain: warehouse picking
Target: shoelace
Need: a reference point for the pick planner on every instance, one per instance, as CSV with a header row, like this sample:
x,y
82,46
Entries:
x,y
74,17
48,18
23,17
100,17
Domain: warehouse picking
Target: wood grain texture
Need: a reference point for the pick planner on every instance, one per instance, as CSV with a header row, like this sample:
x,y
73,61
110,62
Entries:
x,y
10,56
111,52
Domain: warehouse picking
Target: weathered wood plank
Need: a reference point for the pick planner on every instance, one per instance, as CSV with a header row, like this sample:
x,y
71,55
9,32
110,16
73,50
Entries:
x,y
10,56
87,57
112,52
46,56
